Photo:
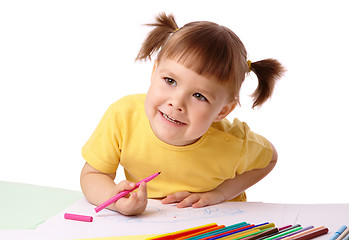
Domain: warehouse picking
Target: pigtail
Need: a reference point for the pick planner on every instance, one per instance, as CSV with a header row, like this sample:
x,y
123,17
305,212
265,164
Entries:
x,y
164,27
267,71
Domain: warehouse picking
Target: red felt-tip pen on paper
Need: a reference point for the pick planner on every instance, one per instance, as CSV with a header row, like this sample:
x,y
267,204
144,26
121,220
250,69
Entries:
x,y
124,193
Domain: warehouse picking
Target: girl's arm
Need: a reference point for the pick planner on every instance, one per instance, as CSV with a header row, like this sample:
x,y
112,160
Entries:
x,y
99,187
228,190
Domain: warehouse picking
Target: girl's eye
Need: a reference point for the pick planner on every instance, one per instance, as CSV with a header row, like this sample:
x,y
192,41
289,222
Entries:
x,y
171,82
200,97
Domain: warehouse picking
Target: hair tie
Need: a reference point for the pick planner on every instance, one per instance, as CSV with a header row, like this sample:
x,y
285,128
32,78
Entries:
x,y
176,30
249,63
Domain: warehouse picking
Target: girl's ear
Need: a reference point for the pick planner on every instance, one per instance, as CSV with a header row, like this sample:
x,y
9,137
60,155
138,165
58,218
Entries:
x,y
156,63
226,110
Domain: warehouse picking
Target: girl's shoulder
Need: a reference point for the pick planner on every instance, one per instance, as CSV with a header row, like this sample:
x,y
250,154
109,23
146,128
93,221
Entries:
x,y
134,99
129,102
236,128
126,107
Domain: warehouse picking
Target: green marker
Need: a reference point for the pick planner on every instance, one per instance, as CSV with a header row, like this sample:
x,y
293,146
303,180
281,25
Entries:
x,y
231,227
283,233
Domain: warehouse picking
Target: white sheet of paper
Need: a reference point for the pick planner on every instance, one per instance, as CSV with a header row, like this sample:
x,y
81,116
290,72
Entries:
x,y
159,218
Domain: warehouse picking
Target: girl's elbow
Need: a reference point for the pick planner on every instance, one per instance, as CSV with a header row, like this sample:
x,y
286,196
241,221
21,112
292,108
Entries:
x,y
274,157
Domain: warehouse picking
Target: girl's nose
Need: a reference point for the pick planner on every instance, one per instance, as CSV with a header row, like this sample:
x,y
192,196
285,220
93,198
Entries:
x,y
178,108
177,102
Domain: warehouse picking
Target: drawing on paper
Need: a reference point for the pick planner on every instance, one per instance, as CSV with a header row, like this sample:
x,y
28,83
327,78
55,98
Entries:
x,y
159,214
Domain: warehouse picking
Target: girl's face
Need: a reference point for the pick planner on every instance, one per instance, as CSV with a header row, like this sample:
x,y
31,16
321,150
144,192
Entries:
x,y
181,104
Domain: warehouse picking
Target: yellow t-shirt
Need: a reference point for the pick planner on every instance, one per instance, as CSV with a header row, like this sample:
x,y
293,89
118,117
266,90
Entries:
x,y
124,136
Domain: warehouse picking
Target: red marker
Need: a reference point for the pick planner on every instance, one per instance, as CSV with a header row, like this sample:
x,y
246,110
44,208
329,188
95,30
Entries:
x,y
124,193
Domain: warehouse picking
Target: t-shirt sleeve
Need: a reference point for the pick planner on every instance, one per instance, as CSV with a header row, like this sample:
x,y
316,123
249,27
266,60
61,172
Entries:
x,y
256,152
102,150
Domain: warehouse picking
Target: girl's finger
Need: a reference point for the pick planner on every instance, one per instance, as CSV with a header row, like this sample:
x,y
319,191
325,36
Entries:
x,y
142,191
175,197
125,185
189,201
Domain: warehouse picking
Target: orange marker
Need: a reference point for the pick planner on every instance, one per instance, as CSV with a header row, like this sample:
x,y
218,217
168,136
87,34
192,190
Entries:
x,y
178,234
201,232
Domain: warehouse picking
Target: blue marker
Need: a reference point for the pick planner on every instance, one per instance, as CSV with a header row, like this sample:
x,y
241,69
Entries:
x,y
339,232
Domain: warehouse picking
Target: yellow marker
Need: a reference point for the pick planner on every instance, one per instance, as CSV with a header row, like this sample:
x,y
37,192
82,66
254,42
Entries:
x,y
183,232
241,234
201,232
265,226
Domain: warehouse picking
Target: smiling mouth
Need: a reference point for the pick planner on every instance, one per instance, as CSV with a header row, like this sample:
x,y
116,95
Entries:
x,y
168,118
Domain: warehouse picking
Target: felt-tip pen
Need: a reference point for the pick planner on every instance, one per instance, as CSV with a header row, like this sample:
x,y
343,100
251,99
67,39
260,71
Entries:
x,y
124,193
338,232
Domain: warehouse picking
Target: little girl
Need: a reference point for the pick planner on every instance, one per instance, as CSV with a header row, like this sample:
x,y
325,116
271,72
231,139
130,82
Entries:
x,y
179,126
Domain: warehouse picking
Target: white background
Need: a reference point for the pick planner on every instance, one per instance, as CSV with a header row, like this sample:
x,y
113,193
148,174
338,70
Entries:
x,y
62,63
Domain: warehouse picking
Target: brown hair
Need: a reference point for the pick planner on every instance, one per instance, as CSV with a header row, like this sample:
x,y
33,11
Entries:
x,y
210,50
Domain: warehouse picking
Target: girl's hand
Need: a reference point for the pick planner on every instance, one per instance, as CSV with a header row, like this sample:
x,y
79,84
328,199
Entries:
x,y
99,187
227,190
133,204
195,200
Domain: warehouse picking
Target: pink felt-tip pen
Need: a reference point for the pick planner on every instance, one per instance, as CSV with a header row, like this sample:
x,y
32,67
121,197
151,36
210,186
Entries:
x,y
77,217
124,193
